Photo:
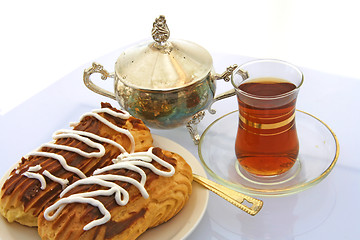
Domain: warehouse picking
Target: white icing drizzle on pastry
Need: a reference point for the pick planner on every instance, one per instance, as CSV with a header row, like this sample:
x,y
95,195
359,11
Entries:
x,y
37,176
31,174
61,160
132,162
64,133
95,114
85,140
85,137
61,181
34,168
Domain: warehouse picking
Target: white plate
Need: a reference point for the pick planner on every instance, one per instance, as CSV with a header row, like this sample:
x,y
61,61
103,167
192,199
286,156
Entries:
x,y
179,227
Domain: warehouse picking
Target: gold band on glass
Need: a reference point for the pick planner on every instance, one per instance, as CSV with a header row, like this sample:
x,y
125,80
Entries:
x,y
267,125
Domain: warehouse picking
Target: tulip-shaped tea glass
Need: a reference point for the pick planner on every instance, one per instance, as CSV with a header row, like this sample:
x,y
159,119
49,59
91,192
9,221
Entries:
x,y
266,144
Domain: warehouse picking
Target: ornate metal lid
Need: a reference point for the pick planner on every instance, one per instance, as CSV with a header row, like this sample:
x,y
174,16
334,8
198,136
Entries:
x,y
163,64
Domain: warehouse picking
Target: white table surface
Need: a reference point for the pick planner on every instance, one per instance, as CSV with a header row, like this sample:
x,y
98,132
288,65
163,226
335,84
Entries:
x,y
328,210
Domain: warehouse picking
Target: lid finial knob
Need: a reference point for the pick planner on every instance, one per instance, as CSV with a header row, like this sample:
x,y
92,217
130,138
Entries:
x,y
160,31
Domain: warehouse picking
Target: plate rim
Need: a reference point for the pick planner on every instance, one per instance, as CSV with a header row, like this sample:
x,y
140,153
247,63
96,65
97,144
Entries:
x,y
272,192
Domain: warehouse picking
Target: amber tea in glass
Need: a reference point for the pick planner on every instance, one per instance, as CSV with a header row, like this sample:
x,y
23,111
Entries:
x,y
266,142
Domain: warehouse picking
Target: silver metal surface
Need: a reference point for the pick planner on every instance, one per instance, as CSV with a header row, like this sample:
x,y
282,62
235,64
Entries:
x,y
164,83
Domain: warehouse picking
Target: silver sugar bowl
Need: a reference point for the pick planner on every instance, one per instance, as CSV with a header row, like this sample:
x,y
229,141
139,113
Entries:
x,y
164,83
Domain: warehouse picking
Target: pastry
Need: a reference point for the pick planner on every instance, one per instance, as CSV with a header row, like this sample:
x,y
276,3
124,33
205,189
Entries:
x,y
120,201
75,154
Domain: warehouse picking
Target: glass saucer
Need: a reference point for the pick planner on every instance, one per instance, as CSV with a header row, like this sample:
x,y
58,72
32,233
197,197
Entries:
x,y
318,153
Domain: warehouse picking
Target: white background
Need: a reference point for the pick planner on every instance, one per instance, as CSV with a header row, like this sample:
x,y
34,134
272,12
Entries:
x,y
42,41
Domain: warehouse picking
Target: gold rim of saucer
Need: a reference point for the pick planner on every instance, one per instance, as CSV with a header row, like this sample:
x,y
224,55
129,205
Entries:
x,y
271,192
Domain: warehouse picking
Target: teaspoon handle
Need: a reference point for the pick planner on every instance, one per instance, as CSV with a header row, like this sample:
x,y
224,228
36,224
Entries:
x,y
234,197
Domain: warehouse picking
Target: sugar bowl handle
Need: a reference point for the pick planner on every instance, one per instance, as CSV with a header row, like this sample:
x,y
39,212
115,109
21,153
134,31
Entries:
x,y
97,68
226,77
